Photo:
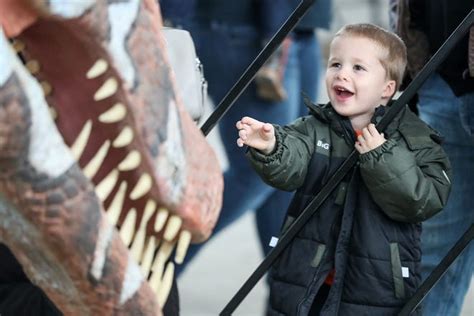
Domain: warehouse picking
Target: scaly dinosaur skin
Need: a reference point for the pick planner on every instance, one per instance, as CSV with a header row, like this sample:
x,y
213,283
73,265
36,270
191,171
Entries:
x,y
187,185
106,78
51,217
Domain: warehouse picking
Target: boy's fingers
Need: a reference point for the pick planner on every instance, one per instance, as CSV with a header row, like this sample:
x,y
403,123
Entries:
x,y
248,120
267,127
373,130
240,142
243,134
366,133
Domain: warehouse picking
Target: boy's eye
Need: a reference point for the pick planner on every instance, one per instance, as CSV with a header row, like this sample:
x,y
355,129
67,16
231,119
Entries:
x,y
358,67
335,65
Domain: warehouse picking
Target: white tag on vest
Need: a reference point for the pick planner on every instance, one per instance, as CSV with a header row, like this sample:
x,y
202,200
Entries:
x,y
405,272
273,242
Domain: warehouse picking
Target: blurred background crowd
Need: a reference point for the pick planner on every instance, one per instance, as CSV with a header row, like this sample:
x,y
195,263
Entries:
x,y
228,35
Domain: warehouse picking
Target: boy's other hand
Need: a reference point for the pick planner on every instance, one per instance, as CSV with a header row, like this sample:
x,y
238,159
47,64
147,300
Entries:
x,y
256,134
369,139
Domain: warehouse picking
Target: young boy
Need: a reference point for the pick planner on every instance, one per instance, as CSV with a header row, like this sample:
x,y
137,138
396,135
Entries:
x,y
360,253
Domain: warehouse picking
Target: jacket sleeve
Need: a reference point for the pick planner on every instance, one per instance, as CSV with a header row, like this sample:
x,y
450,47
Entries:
x,y
285,168
409,180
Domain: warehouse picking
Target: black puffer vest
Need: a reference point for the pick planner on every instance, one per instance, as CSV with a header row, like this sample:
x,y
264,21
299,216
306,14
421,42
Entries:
x,y
376,259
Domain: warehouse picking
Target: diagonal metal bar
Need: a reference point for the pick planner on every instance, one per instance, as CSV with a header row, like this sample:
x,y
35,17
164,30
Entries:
x,y
438,272
348,164
250,72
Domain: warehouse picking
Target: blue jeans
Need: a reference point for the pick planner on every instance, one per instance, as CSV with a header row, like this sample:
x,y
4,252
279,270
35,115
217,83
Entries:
x,y
453,117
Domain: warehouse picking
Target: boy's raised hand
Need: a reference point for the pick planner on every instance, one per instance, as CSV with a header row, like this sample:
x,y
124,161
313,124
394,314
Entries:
x,y
369,139
256,134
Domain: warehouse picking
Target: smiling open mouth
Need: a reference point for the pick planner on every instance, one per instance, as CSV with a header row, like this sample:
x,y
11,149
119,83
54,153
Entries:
x,y
343,92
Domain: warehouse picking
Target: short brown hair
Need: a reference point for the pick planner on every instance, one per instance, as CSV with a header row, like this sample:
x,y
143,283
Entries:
x,y
395,60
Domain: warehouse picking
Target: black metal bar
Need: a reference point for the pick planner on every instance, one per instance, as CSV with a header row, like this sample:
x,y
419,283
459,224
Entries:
x,y
347,165
438,272
250,72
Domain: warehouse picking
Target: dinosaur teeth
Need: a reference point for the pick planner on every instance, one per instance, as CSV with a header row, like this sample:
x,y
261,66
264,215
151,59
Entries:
x,y
18,46
115,114
106,186
138,243
99,67
115,208
182,247
127,229
160,220
142,187
46,87
96,162
130,162
53,113
33,66
172,228
147,256
166,283
158,266
80,143
108,89
124,138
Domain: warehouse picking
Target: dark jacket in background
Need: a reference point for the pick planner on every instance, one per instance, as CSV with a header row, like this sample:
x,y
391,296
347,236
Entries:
x,y
177,13
18,296
424,25
368,229
267,15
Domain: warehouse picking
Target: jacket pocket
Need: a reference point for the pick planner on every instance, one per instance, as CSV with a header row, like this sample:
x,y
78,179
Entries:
x,y
397,272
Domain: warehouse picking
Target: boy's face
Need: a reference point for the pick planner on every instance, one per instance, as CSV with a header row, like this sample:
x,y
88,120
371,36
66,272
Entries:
x,y
356,81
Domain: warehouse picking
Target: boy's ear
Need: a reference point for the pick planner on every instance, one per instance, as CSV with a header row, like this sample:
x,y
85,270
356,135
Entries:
x,y
389,89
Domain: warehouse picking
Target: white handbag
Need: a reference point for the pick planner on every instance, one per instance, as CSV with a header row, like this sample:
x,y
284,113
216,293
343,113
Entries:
x,y
188,70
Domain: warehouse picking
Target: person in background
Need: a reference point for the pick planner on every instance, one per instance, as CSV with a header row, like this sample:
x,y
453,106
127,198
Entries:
x,y
360,253
445,102
177,13
305,54
228,36
302,73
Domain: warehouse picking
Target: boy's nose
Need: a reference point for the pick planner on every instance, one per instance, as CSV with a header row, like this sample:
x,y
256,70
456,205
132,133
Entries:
x,y
341,74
